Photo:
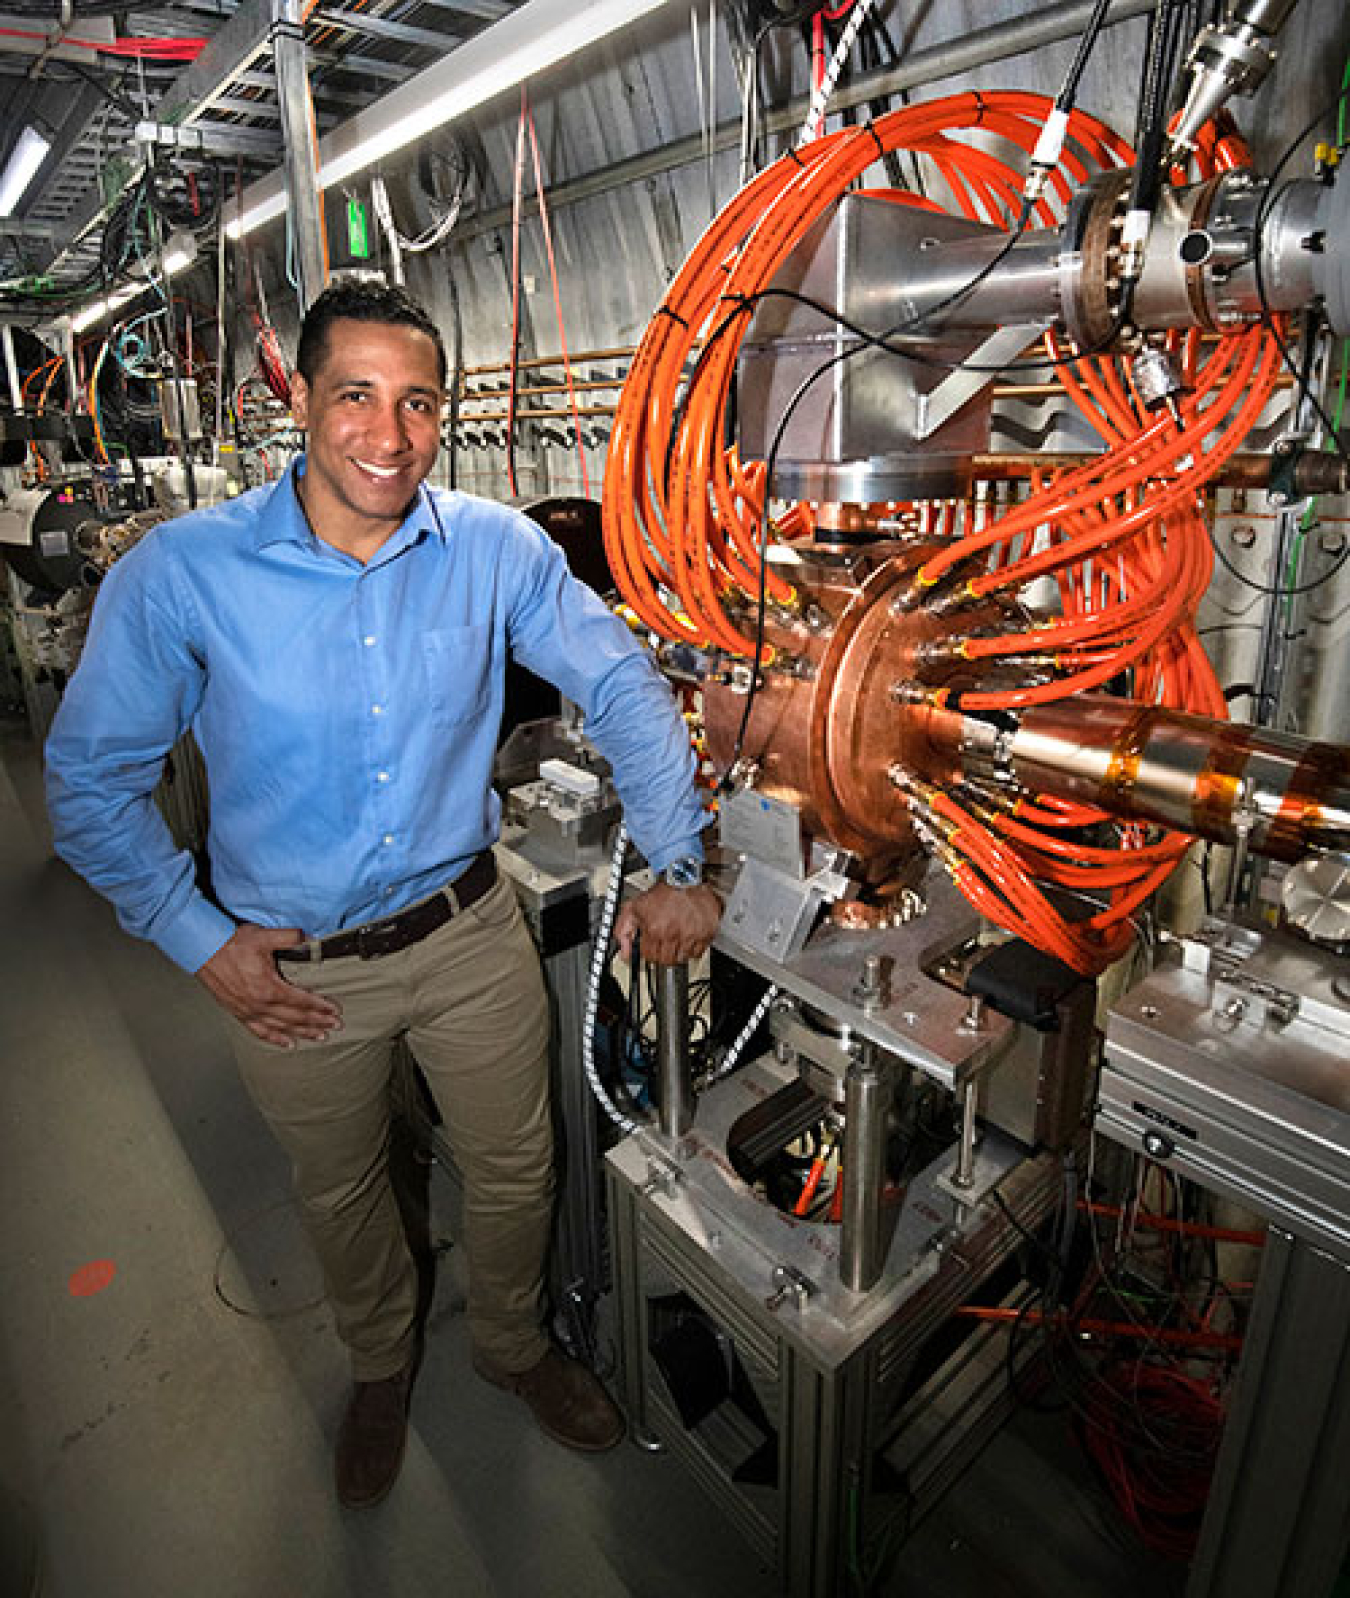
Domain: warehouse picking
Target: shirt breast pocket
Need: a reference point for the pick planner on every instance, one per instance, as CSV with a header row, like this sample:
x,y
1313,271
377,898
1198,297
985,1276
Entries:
x,y
458,671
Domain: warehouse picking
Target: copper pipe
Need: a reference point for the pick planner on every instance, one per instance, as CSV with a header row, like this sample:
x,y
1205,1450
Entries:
x,y
622,352
555,413
1284,795
532,389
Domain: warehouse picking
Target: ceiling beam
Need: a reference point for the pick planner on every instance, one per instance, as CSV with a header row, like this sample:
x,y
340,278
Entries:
x,y
488,10
231,50
234,48
364,66
379,28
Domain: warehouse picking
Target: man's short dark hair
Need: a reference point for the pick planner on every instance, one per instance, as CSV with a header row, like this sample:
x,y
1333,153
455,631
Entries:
x,y
360,300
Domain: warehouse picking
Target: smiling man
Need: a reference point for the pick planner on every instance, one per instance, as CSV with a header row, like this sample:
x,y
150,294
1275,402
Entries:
x,y
337,643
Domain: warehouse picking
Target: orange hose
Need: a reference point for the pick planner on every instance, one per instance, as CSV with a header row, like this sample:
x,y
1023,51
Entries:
x,y
1121,536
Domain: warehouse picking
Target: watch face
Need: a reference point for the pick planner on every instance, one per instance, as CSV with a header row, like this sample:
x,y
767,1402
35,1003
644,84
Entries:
x,y
684,873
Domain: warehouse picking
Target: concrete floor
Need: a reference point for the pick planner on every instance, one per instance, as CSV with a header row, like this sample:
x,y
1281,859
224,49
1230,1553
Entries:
x,y
170,1434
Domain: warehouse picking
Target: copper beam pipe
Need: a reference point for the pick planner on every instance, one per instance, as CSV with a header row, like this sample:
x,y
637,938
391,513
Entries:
x,y
1283,795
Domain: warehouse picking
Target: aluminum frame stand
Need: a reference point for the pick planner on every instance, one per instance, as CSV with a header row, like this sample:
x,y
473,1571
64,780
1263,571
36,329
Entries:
x,y
1277,1524
845,1414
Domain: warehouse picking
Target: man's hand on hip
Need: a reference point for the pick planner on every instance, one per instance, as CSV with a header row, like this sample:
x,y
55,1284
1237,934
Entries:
x,y
243,978
675,924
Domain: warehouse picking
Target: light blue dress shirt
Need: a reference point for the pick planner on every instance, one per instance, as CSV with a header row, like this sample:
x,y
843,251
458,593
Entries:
x,y
348,714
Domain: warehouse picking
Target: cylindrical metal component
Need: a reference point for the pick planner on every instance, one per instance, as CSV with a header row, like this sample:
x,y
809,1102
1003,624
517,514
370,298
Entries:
x,y
290,63
676,1101
12,370
964,1174
1214,779
1229,59
72,369
866,1097
1199,266
1022,287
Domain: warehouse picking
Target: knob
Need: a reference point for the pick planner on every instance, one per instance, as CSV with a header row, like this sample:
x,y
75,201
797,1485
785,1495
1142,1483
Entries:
x,y
1158,1147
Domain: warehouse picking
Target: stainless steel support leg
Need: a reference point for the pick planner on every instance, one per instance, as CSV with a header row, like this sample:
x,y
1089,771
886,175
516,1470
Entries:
x,y
866,1091
676,1107
1277,1523
964,1174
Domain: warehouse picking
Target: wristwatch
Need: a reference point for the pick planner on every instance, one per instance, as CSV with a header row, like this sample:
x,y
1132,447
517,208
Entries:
x,y
687,872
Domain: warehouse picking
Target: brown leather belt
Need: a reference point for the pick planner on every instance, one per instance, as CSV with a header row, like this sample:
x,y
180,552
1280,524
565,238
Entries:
x,y
409,926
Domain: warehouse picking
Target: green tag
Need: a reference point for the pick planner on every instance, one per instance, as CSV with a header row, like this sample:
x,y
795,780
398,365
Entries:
x,y
358,240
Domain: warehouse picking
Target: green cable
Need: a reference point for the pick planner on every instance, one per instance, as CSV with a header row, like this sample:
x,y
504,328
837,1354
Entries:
x,y
1310,514
1340,114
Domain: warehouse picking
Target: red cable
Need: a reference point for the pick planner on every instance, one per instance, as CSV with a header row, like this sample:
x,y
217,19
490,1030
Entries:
x,y
145,49
516,200
557,306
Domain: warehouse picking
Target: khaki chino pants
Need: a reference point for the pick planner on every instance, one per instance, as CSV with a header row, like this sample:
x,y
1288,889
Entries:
x,y
470,1000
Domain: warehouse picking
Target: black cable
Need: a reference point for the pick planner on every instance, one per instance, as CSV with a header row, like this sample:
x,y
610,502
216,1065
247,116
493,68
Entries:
x,y
1277,589
1068,93
1148,176
456,377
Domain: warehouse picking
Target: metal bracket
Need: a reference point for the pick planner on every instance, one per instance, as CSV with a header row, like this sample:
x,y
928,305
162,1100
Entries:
x,y
790,1287
976,371
663,1172
207,138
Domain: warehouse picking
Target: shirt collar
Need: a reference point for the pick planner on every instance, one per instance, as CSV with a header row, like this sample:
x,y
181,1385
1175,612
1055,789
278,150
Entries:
x,y
283,520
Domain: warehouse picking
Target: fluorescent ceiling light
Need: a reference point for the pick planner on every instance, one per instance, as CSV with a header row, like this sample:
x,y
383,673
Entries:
x,y
536,36
101,308
29,152
180,252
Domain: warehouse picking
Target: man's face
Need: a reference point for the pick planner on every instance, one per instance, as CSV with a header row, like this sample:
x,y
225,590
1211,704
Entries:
x,y
373,417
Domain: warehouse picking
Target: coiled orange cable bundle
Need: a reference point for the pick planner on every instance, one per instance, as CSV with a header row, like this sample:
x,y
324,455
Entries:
x,y
1122,536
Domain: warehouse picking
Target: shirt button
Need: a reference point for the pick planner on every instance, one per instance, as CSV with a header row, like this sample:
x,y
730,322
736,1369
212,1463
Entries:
x,y
388,838
377,710
381,776
369,640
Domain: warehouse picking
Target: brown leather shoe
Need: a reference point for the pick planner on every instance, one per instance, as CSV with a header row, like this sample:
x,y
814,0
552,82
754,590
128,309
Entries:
x,y
370,1440
567,1400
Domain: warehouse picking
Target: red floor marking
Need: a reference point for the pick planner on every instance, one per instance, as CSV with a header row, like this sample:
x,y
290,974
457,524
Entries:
x,y
91,1278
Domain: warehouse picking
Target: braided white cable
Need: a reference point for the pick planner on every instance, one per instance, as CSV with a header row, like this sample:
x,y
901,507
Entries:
x,y
599,955
821,98
732,1058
